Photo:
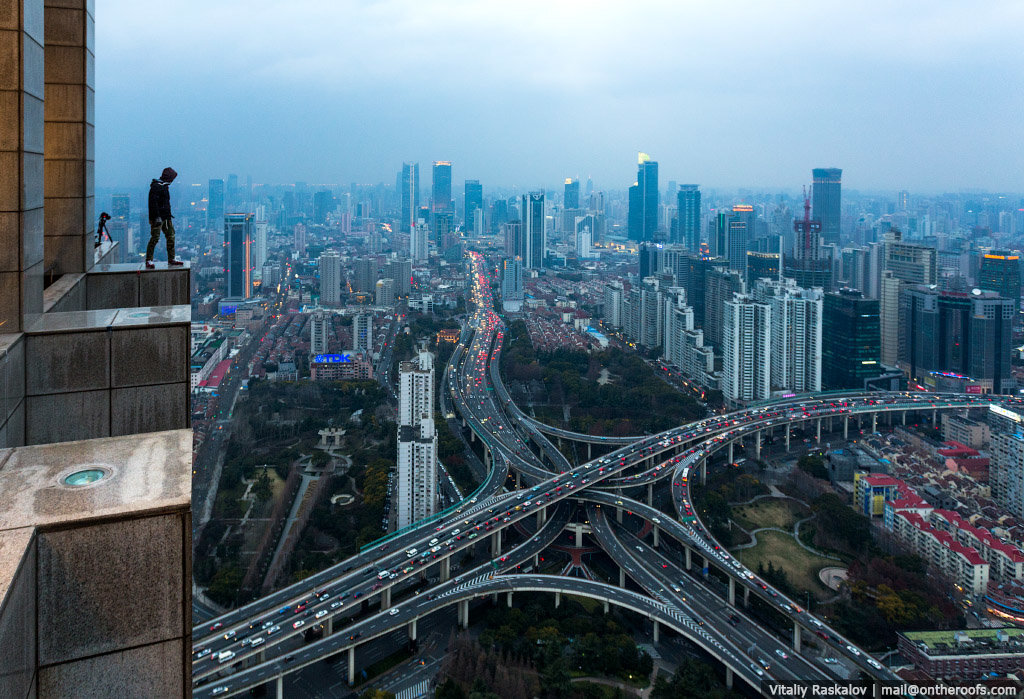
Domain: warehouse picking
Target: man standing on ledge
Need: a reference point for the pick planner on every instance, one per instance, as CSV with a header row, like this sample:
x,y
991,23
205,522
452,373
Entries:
x,y
160,218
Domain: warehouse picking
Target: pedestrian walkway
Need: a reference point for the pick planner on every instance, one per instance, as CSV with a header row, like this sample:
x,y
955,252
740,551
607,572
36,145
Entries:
x,y
418,690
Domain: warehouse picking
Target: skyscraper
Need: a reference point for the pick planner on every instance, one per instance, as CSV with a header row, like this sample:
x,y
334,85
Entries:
x,y
902,263
319,332
1000,272
419,242
364,274
534,237
400,271
330,278
571,199
410,196
417,441
851,351
739,231
827,193
474,203
643,200
362,333
720,284
746,350
323,204
795,333
238,255
808,265
441,196
215,206
688,212
762,265
512,294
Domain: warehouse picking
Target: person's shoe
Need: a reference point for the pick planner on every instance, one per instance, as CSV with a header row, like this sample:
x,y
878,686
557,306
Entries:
x,y
175,263
150,265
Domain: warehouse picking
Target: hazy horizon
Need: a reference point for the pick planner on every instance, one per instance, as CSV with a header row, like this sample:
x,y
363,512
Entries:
x,y
923,96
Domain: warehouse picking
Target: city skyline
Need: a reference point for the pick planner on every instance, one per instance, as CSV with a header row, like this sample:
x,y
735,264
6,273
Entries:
x,y
524,101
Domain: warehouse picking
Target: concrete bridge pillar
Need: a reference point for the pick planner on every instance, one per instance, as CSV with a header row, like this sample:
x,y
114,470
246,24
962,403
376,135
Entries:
x,y
446,569
558,599
655,536
385,598
464,613
874,422
606,606
618,515
650,495
519,480
472,436
904,417
487,458
757,445
559,443
730,451
689,553
846,427
622,577
589,445
796,637
279,687
732,591
787,436
508,599
542,517
657,630
703,565
496,544
351,666
536,561
817,429
704,471
728,677
935,418
329,626
412,630
746,596
579,537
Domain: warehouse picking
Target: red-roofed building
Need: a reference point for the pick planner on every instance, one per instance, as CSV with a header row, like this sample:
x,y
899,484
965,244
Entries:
x,y
964,565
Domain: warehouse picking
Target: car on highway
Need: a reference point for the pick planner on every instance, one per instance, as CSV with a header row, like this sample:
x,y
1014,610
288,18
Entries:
x,y
297,624
393,611
781,653
225,655
222,689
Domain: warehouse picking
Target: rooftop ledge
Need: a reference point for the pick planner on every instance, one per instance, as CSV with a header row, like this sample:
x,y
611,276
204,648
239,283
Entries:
x,y
143,475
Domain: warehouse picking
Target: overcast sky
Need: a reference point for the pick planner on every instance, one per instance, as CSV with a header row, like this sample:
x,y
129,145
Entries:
x,y
926,96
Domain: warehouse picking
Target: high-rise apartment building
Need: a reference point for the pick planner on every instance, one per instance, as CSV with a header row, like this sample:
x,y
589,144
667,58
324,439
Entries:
x,y
963,333
400,272
689,217
571,198
419,242
1006,472
827,193
643,314
215,206
362,333
1000,272
720,285
474,202
583,227
410,196
612,301
512,294
795,333
534,233
417,441
851,344
643,201
902,263
441,192
364,274
319,333
238,267
746,350
330,278
384,293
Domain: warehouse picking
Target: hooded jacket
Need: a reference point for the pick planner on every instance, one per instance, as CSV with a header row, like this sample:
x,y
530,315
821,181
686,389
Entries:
x,y
159,201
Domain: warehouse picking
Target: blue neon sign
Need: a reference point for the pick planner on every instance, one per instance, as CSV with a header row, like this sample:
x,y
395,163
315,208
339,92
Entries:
x,y
332,359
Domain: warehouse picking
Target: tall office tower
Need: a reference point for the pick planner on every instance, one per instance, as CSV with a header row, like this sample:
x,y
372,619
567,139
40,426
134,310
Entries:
x,y
238,255
1000,272
1006,472
746,350
643,200
795,333
362,333
474,202
720,284
499,214
441,226
827,193
902,200
906,263
733,235
364,274
231,192
966,334
512,232
856,269
809,265
120,207
688,214
384,293
400,271
410,196
512,294
441,192
417,440
323,204
571,199
259,243
534,238
319,333
330,278
96,534
419,242
299,239
215,206
612,301
118,228
648,255
584,236
762,265
851,349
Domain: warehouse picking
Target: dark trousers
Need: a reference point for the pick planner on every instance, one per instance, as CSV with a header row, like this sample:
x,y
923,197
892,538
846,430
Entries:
x,y
154,237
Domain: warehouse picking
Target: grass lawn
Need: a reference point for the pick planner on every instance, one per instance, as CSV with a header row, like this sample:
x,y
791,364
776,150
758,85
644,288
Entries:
x,y
782,550
276,484
769,512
